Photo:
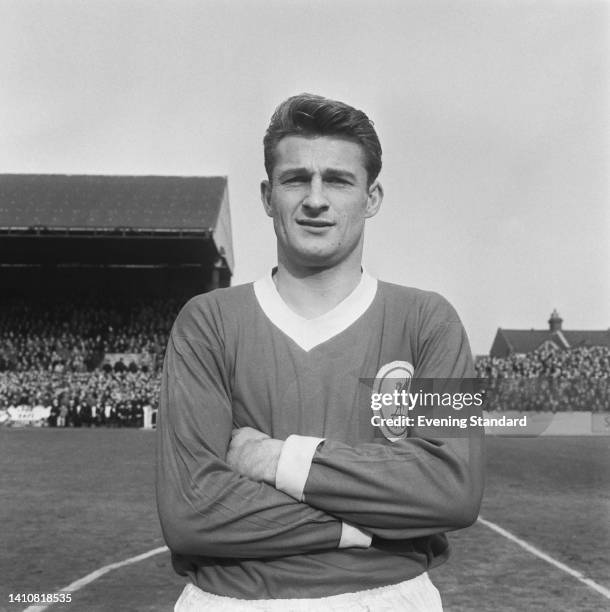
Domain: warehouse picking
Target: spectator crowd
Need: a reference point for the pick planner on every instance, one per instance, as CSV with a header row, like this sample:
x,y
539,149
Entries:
x,y
575,379
61,335
54,355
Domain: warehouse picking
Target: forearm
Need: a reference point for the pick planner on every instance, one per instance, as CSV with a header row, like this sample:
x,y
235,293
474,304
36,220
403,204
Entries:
x,y
205,507
227,515
406,489
429,482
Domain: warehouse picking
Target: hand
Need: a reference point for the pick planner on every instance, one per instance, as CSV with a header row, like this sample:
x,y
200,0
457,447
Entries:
x,y
254,454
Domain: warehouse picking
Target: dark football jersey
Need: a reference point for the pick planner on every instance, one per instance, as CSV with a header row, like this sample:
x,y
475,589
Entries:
x,y
240,357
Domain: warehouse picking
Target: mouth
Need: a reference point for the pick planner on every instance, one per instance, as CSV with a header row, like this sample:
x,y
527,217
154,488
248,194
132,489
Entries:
x,y
314,223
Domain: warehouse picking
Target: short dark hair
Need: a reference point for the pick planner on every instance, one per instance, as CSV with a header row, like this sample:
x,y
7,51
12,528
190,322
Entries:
x,y
311,115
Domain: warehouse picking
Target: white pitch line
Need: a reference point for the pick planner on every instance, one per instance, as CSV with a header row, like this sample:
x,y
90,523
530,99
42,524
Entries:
x,y
85,580
545,557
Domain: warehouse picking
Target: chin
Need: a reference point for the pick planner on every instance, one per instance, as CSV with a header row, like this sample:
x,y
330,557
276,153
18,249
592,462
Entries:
x,y
310,251
308,254
317,259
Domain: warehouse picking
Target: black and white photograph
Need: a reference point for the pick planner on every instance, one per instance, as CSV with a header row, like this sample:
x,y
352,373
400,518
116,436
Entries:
x,y
304,305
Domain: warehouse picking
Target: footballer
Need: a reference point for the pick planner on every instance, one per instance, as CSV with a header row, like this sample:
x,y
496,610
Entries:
x,y
275,491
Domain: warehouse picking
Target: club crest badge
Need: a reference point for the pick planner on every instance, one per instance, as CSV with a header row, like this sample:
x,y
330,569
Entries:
x,y
388,403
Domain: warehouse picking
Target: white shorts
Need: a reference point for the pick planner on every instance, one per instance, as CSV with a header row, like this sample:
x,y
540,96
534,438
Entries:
x,y
415,595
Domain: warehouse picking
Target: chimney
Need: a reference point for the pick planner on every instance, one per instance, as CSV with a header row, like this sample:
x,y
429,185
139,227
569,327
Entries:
x,y
555,321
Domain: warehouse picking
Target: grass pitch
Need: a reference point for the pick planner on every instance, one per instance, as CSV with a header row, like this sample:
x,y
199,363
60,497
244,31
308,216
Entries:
x,y
72,501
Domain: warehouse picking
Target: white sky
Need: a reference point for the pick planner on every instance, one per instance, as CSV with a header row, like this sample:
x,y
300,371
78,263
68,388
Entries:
x,y
493,117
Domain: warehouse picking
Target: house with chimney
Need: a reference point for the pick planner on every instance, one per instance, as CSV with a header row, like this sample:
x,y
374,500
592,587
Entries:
x,y
555,338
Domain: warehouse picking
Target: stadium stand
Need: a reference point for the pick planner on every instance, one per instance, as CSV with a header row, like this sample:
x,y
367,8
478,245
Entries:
x,y
573,379
548,369
94,270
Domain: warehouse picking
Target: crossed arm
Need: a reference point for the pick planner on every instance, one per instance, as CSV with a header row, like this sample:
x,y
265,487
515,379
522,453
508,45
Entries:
x,y
401,490
241,494
206,508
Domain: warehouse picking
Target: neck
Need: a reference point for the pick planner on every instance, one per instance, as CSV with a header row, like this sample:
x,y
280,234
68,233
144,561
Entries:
x,y
312,292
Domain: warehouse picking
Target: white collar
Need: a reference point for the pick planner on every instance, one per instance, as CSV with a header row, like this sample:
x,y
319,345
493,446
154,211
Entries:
x,y
309,333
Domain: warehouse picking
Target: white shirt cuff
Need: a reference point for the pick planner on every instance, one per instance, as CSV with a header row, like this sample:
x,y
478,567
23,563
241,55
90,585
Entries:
x,y
294,464
352,537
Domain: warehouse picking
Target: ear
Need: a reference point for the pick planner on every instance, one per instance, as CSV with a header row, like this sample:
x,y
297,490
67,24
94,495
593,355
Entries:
x,y
266,197
374,200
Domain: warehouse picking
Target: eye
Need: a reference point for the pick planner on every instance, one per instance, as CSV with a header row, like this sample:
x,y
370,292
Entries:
x,y
295,180
336,180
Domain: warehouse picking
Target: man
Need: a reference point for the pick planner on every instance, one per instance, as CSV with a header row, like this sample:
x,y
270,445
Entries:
x,y
275,491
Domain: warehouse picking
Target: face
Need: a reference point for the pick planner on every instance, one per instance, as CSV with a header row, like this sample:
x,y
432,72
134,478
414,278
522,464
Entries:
x,y
319,198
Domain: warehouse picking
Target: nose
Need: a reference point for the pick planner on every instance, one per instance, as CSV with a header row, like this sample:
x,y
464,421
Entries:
x,y
315,200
